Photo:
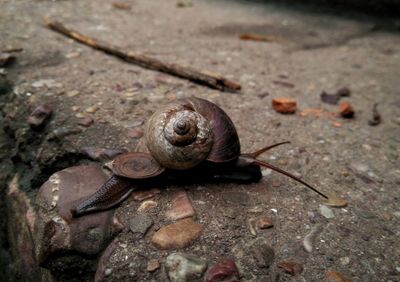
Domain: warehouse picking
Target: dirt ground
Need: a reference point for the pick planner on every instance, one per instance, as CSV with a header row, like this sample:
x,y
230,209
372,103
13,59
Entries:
x,y
310,52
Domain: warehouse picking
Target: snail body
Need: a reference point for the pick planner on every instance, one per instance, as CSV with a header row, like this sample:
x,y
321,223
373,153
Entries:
x,y
190,134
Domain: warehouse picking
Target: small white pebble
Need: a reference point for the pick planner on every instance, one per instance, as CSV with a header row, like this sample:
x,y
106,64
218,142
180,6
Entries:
x,y
266,172
274,210
107,272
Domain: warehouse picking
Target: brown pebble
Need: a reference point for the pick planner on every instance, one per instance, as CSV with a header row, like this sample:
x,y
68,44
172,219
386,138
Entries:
x,y
224,270
39,115
177,235
121,6
181,207
86,122
284,105
343,92
264,222
135,133
6,59
334,276
346,110
153,265
145,194
291,267
336,124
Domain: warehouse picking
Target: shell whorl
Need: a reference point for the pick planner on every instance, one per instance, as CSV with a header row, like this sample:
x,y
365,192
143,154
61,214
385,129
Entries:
x,y
178,137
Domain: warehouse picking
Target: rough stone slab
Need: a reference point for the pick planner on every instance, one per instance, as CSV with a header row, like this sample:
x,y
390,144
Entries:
x,y
58,232
21,221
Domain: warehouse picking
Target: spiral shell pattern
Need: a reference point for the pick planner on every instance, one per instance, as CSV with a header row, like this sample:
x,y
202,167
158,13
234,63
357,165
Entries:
x,y
178,137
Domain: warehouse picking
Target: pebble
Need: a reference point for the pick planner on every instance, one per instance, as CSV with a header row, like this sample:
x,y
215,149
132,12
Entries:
x,y
346,110
86,122
262,252
152,265
228,212
184,3
6,58
291,267
225,270
365,237
181,207
147,205
326,212
251,224
310,237
75,108
145,194
61,132
264,222
121,6
344,260
234,197
49,83
256,209
135,133
92,109
358,167
108,272
184,267
72,55
73,93
177,235
284,105
334,276
39,115
140,224
130,94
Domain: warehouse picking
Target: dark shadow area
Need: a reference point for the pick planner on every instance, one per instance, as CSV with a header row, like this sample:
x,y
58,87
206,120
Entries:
x,y
383,14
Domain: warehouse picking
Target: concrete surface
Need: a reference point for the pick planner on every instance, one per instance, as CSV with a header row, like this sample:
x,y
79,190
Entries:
x,y
312,52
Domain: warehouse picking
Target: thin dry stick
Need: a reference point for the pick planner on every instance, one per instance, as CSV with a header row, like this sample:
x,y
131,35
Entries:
x,y
201,77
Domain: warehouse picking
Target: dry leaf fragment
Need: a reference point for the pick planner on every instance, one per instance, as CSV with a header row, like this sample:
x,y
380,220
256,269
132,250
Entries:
x,y
284,105
291,267
346,110
121,6
335,201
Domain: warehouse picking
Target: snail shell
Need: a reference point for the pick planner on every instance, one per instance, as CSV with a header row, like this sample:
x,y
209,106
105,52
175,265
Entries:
x,y
136,166
189,131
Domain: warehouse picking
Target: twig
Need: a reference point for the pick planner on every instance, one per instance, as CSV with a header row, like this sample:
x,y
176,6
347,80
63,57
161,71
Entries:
x,y
201,77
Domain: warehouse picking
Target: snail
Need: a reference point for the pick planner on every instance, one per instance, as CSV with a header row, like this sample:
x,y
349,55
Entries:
x,y
189,137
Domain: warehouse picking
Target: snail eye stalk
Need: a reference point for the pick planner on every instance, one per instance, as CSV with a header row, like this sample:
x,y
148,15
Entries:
x,y
251,159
